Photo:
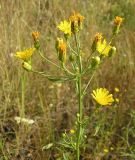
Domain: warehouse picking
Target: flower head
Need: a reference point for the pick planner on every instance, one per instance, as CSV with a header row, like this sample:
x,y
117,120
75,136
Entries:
x,y
102,96
98,37
103,48
35,35
76,17
118,20
117,23
65,27
26,54
76,20
61,48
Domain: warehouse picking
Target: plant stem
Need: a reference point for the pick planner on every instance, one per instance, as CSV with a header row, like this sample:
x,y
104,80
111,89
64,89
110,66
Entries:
x,y
80,109
79,118
23,80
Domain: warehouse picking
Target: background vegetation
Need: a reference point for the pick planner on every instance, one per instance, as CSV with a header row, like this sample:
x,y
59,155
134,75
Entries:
x,y
111,133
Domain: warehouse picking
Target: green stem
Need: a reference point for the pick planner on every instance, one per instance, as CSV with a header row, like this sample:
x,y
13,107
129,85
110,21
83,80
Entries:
x,y
23,82
80,117
79,88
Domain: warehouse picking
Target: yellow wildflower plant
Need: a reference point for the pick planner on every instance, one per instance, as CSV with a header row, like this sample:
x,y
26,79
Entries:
x,y
103,48
102,96
65,27
26,54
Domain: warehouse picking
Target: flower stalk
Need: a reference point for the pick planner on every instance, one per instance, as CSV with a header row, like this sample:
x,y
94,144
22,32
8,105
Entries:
x,y
80,98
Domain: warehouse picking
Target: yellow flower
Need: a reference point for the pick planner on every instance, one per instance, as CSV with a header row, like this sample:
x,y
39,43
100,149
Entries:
x,y
103,48
102,96
35,35
97,40
98,37
61,48
65,27
76,17
76,20
72,131
118,20
26,54
116,89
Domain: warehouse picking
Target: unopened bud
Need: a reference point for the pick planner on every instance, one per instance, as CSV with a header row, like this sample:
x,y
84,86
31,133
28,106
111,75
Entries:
x,y
27,66
35,35
117,23
95,61
112,51
61,48
97,40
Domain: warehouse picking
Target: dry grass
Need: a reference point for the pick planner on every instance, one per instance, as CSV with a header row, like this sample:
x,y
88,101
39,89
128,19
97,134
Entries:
x,y
53,106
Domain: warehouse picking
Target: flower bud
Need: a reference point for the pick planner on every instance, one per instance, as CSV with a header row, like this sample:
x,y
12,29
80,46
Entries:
x,y
76,20
96,42
117,23
35,35
112,51
61,48
58,42
95,61
26,66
